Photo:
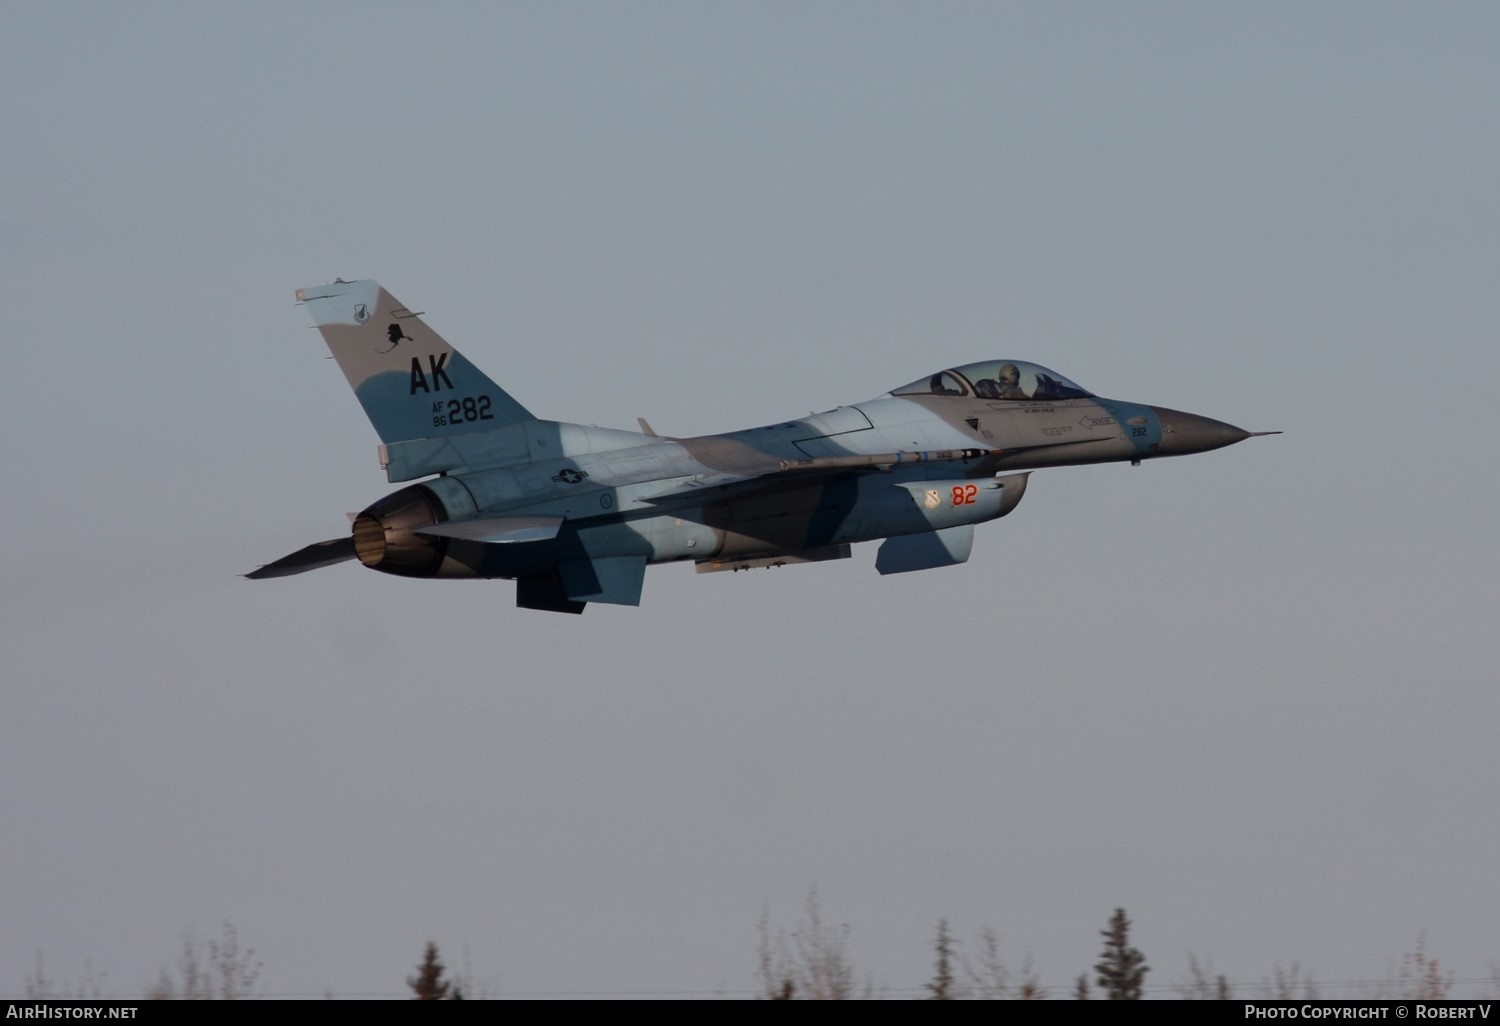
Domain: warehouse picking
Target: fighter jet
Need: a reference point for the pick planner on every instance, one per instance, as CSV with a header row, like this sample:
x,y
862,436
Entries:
x,y
574,514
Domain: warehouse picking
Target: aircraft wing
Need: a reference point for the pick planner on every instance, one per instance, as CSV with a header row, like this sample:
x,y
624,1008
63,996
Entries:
x,y
314,556
810,467
980,462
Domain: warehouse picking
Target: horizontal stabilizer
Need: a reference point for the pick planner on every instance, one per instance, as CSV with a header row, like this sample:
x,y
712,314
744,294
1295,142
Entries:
x,y
909,552
498,530
321,554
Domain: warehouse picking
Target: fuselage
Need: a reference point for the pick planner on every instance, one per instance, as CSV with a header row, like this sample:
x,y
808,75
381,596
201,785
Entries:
x,y
575,514
759,493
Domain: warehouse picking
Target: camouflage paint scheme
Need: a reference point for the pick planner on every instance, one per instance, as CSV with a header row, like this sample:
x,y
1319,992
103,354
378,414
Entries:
x,y
575,514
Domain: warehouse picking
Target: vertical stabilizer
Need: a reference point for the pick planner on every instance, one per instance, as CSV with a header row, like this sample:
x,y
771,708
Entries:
x,y
411,383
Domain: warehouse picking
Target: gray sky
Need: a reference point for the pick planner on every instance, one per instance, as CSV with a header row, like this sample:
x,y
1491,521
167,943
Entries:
x,y
1250,696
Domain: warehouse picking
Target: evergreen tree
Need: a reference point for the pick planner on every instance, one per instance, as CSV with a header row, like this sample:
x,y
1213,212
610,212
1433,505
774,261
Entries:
x,y
1121,968
942,984
428,984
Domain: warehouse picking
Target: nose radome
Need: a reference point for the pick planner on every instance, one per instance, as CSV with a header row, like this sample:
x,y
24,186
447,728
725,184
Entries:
x,y
1183,433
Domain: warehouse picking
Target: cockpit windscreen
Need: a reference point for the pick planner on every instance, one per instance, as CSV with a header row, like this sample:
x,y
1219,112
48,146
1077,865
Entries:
x,y
997,379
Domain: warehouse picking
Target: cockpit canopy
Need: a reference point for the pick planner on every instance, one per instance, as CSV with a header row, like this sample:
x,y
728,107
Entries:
x,y
996,379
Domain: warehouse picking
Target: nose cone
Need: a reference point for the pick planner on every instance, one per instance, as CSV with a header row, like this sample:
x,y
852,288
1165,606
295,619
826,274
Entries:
x,y
1183,433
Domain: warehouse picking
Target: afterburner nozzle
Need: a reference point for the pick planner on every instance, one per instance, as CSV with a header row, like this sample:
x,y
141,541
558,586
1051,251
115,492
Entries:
x,y
385,537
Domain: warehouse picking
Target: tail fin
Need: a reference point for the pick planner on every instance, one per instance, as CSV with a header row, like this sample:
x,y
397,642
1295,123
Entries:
x,y
411,383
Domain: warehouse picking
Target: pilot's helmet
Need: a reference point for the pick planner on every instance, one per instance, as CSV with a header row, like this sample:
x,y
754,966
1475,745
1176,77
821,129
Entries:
x,y
1010,374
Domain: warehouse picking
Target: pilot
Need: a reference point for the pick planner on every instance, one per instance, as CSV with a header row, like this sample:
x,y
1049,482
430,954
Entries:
x,y
1010,382
1008,387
